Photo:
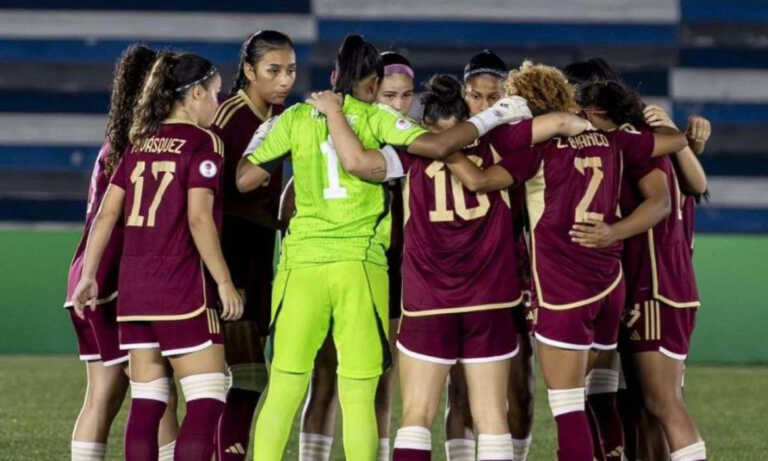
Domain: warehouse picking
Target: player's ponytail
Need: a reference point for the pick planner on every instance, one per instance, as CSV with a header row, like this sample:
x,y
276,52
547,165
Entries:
x,y
619,103
544,87
443,99
254,49
130,72
356,60
172,75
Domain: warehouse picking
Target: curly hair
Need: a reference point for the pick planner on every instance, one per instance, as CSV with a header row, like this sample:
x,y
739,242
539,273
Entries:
x,y
544,87
130,71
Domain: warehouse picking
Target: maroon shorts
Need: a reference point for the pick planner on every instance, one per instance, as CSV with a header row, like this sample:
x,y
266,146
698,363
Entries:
x,y
249,250
469,337
654,326
591,326
97,337
173,337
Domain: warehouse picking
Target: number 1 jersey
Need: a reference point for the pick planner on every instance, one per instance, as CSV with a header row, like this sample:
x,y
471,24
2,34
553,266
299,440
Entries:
x,y
161,273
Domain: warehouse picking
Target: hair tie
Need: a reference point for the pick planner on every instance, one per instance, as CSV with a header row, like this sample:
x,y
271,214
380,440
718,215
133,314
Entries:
x,y
484,70
205,77
398,69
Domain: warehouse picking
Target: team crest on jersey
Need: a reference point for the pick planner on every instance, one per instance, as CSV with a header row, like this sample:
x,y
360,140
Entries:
x,y
208,169
403,124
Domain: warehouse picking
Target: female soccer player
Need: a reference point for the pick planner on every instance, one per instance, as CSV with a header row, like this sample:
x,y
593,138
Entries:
x,y
484,77
97,334
572,180
167,187
265,76
319,416
332,273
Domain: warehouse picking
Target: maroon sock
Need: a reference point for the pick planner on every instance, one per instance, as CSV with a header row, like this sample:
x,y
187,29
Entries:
x,y
195,440
609,422
234,427
410,454
595,429
141,429
574,439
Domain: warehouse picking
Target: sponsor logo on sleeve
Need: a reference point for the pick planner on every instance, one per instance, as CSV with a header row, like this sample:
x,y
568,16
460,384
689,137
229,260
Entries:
x,y
208,169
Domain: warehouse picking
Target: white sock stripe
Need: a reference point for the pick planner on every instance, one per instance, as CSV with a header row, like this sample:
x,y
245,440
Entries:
x,y
158,389
521,448
414,437
460,449
314,447
165,453
88,451
602,381
562,401
494,446
383,454
249,376
205,386
693,452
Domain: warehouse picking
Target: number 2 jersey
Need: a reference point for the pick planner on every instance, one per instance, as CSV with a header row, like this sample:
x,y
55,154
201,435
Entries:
x,y
162,276
460,252
339,217
569,180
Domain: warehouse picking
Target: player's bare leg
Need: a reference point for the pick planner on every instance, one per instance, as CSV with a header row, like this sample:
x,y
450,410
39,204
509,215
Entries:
x,y
203,380
105,391
602,386
564,371
384,393
169,424
421,385
661,380
245,357
487,383
654,444
459,431
318,420
521,397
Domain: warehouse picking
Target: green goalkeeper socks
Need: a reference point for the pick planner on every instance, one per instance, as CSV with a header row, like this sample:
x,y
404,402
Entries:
x,y
361,434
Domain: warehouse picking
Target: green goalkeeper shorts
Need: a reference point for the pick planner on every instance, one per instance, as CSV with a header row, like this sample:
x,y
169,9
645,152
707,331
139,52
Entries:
x,y
348,298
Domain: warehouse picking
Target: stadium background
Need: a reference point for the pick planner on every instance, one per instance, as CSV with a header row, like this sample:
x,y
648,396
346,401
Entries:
x,y
692,56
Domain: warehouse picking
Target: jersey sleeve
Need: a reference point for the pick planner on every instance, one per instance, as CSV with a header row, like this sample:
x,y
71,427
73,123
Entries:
x,y
118,177
272,140
391,127
511,137
205,167
637,148
521,164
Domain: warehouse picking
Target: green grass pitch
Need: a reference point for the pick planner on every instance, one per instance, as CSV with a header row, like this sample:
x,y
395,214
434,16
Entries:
x,y
40,397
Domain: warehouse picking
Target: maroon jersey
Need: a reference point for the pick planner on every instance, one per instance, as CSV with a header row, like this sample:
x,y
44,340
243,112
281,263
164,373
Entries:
x,y
571,180
460,252
658,262
689,220
161,274
236,120
106,275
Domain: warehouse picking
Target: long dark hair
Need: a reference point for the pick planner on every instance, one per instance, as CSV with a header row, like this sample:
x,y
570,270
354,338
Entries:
x,y
254,48
621,104
443,99
172,75
130,71
485,62
356,60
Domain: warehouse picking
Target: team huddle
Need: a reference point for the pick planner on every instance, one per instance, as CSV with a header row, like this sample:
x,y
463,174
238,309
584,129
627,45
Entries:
x,y
535,211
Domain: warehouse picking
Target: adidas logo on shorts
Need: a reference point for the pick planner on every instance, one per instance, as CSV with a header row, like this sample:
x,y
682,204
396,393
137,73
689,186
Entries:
x,y
236,449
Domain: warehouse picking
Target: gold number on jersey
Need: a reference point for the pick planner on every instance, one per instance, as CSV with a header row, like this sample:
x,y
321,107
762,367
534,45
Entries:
x,y
582,164
441,213
167,168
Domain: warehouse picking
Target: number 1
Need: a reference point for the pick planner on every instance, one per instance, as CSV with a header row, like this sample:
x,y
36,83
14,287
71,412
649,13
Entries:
x,y
334,189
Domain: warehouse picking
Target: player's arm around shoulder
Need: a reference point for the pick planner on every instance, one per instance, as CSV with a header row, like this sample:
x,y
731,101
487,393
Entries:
x,y
475,178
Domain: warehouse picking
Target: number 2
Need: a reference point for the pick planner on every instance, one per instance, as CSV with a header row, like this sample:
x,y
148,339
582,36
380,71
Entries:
x,y
137,178
334,189
581,165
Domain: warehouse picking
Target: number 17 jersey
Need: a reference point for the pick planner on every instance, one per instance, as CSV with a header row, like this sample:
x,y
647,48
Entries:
x,y
162,276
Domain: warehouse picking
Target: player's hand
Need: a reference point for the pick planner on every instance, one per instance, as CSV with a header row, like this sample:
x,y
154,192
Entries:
x,y
698,132
656,116
512,109
86,293
326,102
576,125
593,234
231,302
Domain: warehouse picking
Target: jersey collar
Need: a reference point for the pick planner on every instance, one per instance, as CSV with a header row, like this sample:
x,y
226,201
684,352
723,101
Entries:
x,y
253,107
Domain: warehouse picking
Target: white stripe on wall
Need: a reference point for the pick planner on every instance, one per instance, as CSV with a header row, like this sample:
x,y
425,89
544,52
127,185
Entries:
x,y
572,11
735,191
173,26
52,129
721,85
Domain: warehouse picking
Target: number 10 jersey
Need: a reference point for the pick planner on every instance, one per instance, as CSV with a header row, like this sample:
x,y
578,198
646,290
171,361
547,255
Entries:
x,y
161,273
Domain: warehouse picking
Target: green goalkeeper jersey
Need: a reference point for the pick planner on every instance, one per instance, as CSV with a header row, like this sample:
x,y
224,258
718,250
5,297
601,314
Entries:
x,y
339,217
